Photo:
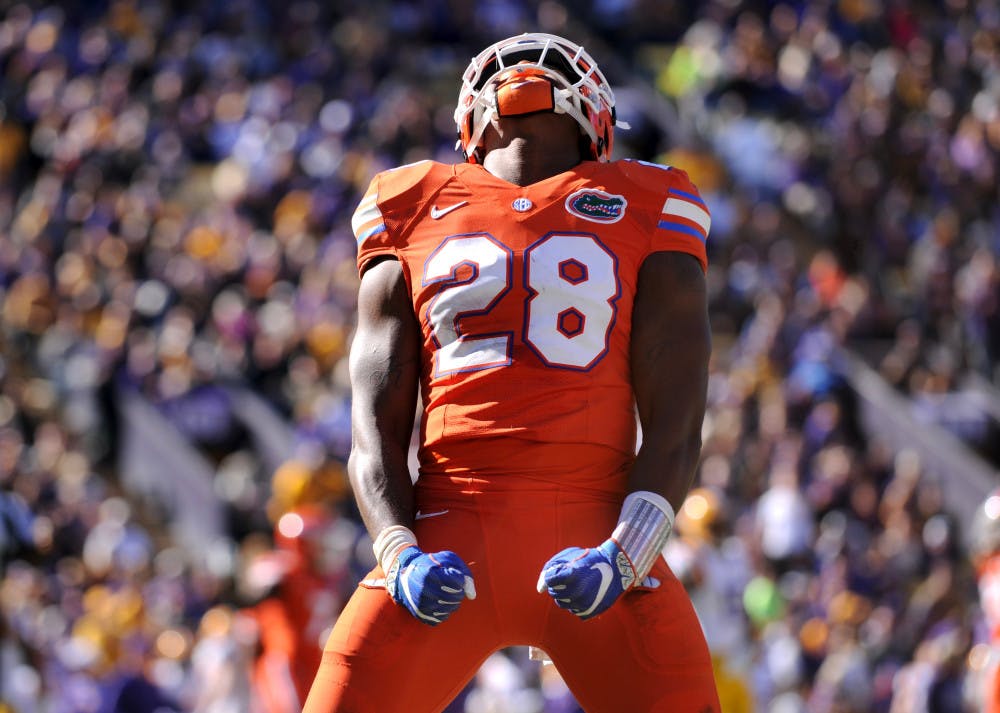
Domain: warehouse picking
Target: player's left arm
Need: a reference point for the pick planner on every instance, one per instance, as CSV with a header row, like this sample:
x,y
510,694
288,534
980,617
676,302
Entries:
x,y
670,348
671,345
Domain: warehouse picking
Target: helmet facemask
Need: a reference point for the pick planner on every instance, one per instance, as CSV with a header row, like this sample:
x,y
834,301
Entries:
x,y
509,78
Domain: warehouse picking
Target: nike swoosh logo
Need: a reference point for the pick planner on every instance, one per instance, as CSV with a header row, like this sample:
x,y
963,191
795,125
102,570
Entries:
x,y
425,515
414,601
606,576
442,212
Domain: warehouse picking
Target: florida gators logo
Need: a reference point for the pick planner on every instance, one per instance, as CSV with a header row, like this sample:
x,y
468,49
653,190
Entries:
x,y
596,205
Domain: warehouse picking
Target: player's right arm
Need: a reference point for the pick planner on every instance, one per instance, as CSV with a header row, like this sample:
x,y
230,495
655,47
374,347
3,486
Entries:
x,y
384,370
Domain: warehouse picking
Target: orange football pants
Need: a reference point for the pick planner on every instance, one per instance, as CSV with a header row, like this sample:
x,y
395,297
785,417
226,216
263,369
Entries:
x,y
647,653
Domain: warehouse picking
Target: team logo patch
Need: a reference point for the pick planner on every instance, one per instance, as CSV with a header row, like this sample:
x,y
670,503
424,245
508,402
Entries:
x,y
596,205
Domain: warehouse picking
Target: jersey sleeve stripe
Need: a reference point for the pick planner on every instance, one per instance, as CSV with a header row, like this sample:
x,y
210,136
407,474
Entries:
x,y
682,228
689,211
693,197
366,214
374,230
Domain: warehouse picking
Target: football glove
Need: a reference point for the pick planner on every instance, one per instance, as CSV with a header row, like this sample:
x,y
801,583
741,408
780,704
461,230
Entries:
x,y
587,581
430,586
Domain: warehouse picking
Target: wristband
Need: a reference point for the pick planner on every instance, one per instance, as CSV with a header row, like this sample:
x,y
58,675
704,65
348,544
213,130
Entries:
x,y
390,542
643,528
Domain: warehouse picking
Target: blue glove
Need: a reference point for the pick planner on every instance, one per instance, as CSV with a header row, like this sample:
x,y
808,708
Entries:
x,y
430,586
586,582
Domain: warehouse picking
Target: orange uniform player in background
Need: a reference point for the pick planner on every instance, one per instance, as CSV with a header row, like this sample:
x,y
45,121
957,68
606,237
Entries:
x,y
536,297
299,597
985,546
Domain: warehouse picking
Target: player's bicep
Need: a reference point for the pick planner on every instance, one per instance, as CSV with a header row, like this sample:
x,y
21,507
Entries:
x,y
671,344
385,358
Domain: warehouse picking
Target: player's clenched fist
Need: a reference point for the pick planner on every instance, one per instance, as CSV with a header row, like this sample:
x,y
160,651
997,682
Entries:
x,y
587,581
429,585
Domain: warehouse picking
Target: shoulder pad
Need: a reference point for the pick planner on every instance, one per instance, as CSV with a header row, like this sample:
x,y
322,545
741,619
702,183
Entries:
x,y
682,220
392,195
657,178
645,173
413,177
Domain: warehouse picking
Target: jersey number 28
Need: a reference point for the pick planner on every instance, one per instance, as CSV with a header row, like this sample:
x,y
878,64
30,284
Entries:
x,y
572,284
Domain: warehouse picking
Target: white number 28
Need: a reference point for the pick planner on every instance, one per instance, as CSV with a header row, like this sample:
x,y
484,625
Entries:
x,y
572,285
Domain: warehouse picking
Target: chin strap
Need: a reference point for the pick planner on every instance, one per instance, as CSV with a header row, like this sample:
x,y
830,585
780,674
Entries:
x,y
481,118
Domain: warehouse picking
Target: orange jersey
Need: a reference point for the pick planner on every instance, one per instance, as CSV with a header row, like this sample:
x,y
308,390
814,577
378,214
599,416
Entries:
x,y
989,595
524,297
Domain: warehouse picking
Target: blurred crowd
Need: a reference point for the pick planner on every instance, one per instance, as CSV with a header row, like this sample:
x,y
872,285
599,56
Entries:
x,y
176,183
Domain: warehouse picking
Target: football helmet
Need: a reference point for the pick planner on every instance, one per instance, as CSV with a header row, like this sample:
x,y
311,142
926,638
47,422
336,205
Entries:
x,y
532,73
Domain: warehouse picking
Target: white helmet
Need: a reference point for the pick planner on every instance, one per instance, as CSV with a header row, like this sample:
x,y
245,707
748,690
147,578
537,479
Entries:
x,y
532,73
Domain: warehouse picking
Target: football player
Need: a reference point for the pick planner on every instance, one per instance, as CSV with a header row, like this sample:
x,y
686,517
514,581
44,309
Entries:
x,y
535,297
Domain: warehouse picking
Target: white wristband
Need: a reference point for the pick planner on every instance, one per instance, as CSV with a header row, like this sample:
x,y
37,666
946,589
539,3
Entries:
x,y
643,527
390,542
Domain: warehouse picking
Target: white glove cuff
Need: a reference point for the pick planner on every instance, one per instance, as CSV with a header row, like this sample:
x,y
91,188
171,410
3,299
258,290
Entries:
x,y
390,542
643,528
